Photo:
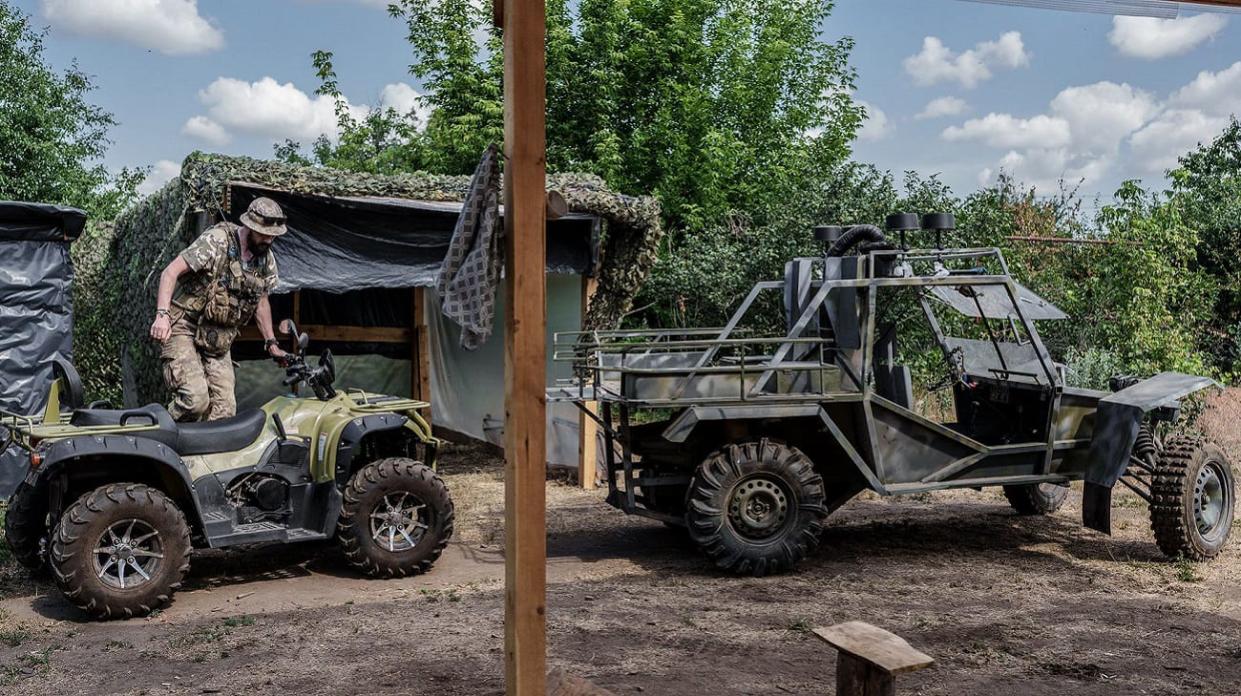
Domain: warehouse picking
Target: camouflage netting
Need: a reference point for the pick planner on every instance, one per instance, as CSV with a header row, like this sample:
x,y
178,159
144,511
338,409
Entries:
x,y
118,264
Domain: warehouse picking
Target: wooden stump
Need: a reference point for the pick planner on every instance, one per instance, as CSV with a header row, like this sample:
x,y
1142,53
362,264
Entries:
x,y
870,658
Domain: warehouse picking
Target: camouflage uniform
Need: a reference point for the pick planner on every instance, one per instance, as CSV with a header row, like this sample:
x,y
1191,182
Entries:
x,y
210,306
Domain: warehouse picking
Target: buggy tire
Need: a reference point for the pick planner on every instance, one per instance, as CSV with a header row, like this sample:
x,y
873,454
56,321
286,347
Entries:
x,y
1193,499
99,520
25,530
423,508
1036,498
756,508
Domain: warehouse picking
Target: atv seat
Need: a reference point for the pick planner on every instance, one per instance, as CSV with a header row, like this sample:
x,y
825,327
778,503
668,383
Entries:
x,y
223,435
209,437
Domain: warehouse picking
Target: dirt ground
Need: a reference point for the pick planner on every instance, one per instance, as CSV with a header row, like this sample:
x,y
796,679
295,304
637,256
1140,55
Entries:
x,y
1005,604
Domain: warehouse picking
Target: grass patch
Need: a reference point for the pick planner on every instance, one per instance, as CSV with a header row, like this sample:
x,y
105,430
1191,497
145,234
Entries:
x,y
213,632
14,636
1186,571
801,625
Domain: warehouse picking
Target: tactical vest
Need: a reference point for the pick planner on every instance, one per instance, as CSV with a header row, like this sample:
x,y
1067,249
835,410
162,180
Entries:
x,y
223,302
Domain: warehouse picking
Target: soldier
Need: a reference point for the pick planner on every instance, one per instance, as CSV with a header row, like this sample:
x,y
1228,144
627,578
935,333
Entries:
x,y
229,271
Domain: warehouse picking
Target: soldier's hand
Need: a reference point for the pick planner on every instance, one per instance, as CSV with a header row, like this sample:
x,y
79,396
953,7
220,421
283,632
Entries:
x,y
280,356
161,328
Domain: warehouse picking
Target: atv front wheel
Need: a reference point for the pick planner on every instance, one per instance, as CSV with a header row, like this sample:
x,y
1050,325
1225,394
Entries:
x,y
121,551
1036,498
396,519
756,507
24,529
1193,496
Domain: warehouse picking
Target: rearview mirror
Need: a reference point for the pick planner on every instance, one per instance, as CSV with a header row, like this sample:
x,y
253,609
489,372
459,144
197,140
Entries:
x,y
303,340
288,327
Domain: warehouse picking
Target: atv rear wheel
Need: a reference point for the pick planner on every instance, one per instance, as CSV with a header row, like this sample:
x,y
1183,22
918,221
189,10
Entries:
x,y
1193,498
1036,498
756,507
121,551
25,529
396,519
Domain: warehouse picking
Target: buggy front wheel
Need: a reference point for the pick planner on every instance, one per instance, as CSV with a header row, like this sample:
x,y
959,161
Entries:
x,y
1193,498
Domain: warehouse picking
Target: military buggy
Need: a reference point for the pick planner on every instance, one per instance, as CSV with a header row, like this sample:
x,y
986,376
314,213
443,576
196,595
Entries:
x,y
749,439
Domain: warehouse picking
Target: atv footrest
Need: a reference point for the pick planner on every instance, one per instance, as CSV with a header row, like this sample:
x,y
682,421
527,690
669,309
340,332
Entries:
x,y
260,532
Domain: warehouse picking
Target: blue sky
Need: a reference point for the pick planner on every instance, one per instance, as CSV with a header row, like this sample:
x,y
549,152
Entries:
x,y
1041,94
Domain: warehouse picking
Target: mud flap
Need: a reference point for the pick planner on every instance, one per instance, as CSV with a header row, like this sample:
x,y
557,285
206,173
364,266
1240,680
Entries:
x,y
1117,422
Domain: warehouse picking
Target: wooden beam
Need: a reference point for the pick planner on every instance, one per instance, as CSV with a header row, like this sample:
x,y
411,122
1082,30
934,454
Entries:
x,y
587,428
421,367
525,349
360,334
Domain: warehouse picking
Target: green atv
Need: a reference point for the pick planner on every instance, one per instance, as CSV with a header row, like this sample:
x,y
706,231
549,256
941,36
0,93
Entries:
x,y
115,500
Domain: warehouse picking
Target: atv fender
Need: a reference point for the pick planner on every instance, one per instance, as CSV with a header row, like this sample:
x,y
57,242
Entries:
x,y
358,428
77,454
1117,421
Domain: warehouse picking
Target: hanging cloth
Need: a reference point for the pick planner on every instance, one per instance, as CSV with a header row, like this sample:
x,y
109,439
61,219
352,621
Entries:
x,y
469,278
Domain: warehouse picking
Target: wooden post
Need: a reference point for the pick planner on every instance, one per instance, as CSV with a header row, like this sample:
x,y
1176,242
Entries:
x,y
588,429
525,349
420,347
870,658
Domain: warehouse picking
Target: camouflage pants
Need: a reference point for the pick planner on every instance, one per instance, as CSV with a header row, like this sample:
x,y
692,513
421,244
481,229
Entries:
x,y
202,386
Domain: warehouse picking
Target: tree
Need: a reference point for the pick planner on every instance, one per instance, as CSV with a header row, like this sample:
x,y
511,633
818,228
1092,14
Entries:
x,y
714,106
1207,187
51,137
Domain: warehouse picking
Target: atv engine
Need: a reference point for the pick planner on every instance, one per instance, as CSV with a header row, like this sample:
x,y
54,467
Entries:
x,y
259,496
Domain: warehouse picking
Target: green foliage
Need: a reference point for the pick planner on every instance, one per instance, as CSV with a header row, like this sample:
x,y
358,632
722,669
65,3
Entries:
x,y
710,105
1206,186
51,137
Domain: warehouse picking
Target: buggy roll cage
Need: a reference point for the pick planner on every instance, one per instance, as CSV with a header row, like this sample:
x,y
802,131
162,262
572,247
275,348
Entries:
x,y
663,367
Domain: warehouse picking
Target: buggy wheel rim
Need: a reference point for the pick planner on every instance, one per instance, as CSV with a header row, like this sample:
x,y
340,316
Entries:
x,y
399,521
128,554
1212,502
758,507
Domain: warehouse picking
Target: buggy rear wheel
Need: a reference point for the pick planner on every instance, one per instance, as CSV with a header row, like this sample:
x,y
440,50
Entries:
x,y
756,507
120,551
1036,498
396,519
1193,499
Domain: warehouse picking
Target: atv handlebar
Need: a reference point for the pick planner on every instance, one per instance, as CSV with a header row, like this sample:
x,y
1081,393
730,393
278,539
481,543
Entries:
x,y
319,378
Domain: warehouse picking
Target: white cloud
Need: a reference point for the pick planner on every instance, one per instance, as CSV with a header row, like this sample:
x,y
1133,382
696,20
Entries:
x,y
937,63
1157,146
943,106
163,172
205,129
173,27
405,100
876,126
1078,139
1151,38
1101,115
270,109
1217,93
1007,131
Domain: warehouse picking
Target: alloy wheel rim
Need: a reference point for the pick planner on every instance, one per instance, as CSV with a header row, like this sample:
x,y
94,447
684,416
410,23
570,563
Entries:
x,y
128,554
399,521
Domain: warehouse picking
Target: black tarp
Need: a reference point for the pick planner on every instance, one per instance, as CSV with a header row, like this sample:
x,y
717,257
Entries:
x,y
36,308
338,244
